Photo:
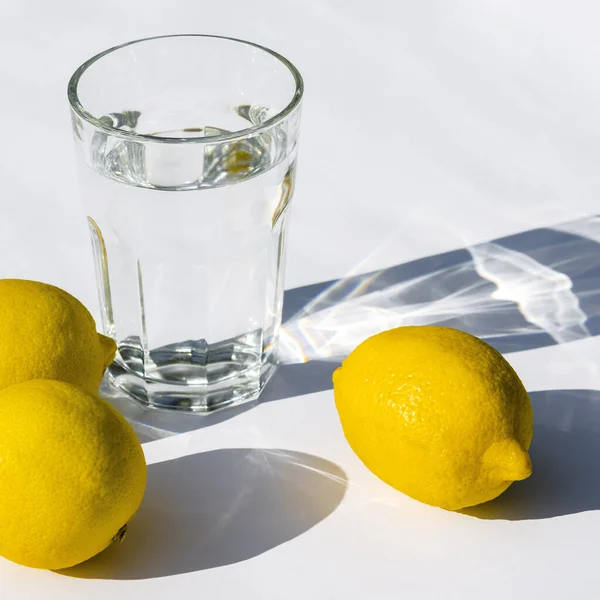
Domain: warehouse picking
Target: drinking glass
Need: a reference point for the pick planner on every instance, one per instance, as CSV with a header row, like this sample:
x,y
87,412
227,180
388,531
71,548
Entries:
x,y
187,158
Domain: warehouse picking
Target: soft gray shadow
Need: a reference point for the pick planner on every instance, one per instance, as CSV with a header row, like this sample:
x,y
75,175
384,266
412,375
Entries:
x,y
564,454
218,508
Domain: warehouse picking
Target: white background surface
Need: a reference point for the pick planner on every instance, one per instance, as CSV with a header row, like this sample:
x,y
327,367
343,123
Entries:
x,y
427,127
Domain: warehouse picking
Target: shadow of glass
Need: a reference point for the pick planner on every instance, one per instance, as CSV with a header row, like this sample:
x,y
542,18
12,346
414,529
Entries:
x,y
564,454
521,292
218,508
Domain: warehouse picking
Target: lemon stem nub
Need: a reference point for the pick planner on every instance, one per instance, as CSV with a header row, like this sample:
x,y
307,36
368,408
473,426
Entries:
x,y
109,349
120,536
508,461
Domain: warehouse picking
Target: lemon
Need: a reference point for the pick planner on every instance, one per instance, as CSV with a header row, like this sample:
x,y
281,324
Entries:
x,y
436,413
45,333
72,474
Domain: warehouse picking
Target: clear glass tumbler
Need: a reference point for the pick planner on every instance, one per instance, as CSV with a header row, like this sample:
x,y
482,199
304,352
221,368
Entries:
x,y
187,149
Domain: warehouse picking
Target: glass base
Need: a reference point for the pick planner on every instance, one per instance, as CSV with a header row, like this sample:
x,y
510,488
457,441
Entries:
x,y
192,398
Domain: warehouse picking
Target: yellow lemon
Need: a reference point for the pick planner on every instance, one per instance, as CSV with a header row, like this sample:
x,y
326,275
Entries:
x,y
436,413
72,474
45,333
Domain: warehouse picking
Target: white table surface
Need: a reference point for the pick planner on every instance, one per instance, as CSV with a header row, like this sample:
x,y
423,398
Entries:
x,y
433,131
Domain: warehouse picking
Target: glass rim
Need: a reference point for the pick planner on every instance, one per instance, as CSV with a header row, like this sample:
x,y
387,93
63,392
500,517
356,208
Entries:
x,y
81,112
